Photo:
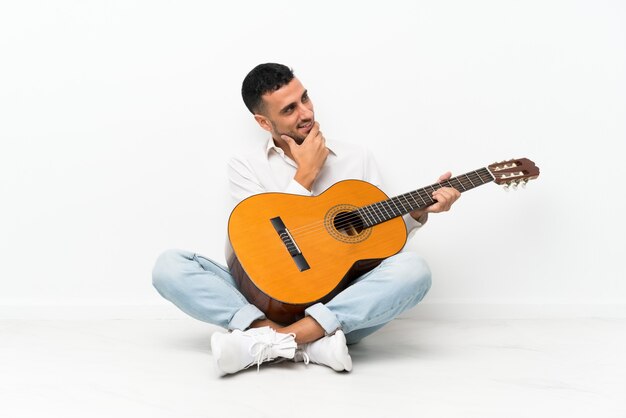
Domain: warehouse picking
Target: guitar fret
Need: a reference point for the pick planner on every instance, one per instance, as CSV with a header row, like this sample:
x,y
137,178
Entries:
x,y
419,194
376,213
386,206
407,200
485,175
489,176
397,210
372,214
475,178
463,181
370,218
423,196
363,217
403,202
368,210
460,185
382,215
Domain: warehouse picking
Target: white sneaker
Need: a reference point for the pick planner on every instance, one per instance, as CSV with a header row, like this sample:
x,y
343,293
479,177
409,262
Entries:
x,y
239,350
330,351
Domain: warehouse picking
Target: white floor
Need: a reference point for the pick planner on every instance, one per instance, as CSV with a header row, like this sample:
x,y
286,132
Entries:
x,y
411,368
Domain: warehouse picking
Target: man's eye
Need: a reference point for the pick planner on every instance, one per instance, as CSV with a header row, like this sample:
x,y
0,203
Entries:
x,y
305,98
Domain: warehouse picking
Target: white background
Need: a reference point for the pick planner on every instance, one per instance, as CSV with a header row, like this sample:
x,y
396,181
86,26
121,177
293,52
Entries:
x,y
117,118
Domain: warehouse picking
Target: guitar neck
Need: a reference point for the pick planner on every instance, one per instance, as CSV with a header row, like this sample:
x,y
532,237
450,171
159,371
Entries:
x,y
385,210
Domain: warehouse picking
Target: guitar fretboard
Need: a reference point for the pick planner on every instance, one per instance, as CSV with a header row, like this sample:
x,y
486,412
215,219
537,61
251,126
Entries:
x,y
385,210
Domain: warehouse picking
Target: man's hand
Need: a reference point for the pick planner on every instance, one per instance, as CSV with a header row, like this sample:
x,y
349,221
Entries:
x,y
309,156
444,196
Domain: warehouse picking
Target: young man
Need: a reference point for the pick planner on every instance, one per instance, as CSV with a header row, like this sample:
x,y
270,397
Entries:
x,y
295,159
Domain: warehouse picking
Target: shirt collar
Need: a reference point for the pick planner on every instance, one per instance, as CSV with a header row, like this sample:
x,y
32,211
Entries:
x,y
269,146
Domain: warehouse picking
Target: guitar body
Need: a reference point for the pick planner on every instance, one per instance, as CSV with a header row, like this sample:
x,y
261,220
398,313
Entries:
x,y
290,252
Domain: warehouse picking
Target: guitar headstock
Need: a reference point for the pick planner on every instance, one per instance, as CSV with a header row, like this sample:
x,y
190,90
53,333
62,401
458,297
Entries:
x,y
512,173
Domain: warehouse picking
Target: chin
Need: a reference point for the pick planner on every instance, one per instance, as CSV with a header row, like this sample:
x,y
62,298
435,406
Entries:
x,y
298,137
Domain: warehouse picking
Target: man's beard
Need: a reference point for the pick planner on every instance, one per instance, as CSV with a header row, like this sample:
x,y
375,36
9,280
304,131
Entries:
x,y
295,135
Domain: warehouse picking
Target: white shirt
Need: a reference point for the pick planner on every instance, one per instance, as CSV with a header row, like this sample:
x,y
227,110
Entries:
x,y
268,169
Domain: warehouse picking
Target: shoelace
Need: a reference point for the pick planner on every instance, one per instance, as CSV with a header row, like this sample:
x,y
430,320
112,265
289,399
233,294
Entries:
x,y
264,353
305,356
265,350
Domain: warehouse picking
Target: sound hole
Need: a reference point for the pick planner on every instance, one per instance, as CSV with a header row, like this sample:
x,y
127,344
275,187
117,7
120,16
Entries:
x,y
348,223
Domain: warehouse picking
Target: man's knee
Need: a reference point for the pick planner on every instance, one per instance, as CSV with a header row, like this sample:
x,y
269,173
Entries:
x,y
165,269
416,275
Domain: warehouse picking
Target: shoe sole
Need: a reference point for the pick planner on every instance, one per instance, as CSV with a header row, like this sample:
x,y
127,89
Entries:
x,y
216,350
340,344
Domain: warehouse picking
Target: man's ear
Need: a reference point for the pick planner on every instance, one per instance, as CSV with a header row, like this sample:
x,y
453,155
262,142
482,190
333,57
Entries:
x,y
263,122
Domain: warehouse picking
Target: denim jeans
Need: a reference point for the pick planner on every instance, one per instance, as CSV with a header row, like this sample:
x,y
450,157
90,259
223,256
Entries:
x,y
207,291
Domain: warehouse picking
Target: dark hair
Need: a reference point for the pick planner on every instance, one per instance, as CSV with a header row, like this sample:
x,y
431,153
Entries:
x,y
262,79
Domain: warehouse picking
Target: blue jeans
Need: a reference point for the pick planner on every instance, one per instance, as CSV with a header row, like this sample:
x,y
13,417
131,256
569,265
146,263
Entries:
x,y
206,291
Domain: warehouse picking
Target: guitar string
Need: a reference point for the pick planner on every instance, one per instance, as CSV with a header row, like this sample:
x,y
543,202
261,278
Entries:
x,y
268,253
378,216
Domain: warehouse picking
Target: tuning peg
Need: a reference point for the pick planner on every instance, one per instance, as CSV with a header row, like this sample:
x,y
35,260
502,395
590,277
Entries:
x,y
506,187
514,185
523,183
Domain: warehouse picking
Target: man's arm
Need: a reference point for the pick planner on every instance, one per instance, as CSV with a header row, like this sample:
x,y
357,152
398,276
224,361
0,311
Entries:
x,y
242,182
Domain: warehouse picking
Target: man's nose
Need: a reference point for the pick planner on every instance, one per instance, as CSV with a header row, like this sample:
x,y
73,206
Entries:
x,y
305,112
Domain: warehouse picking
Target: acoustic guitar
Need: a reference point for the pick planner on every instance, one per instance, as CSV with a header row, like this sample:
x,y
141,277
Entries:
x,y
288,252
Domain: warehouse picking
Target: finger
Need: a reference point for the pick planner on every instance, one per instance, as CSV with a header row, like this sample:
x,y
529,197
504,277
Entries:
x,y
445,197
321,138
452,193
445,176
438,205
314,130
442,204
312,133
436,208
289,140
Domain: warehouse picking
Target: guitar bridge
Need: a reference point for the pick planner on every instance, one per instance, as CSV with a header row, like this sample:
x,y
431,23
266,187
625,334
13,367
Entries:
x,y
290,244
